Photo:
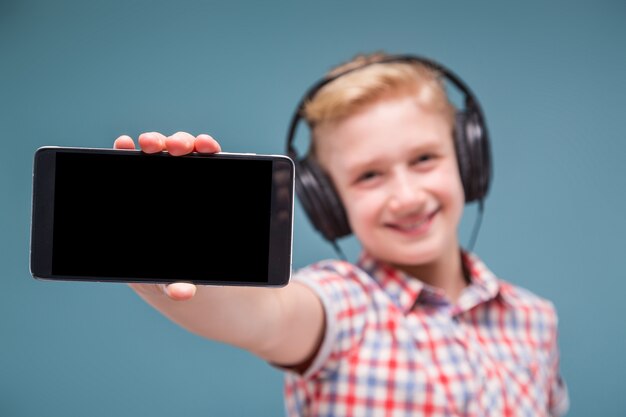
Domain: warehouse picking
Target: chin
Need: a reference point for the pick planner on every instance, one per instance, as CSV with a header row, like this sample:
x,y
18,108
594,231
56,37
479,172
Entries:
x,y
417,259
410,256
439,247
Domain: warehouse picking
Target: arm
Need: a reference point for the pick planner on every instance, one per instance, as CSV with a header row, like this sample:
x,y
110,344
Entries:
x,y
558,394
280,325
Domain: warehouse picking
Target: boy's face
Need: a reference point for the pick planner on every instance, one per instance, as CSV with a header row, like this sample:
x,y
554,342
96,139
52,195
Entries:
x,y
395,168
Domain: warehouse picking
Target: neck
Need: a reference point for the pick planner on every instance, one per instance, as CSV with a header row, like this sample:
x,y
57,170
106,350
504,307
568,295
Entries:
x,y
445,273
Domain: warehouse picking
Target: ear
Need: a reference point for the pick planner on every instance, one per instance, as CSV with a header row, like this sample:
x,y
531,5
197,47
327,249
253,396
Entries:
x,y
320,200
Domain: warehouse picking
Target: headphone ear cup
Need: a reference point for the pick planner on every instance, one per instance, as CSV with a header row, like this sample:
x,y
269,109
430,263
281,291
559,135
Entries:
x,y
320,200
479,153
473,154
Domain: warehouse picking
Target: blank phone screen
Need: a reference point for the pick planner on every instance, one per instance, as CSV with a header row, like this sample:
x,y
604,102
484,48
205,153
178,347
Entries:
x,y
155,216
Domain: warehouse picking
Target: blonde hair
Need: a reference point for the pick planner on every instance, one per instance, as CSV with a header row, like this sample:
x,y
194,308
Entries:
x,y
354,91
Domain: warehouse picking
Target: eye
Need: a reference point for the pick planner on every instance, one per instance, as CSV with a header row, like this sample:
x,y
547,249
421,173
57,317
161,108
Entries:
x,y
423,160
367,176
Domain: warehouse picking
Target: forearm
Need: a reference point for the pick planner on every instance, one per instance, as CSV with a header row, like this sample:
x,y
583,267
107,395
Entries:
x,y
278,324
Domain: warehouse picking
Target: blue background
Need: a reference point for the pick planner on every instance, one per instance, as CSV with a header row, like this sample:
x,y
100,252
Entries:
x,y
550,76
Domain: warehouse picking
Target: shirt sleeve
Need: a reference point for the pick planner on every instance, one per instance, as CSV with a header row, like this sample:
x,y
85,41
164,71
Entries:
x,y
342,289
559,397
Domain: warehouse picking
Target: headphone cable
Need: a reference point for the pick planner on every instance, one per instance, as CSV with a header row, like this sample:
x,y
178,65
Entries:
x,y
477,223
337,248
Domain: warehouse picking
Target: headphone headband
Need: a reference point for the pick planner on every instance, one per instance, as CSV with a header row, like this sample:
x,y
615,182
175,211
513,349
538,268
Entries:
x,y
470,100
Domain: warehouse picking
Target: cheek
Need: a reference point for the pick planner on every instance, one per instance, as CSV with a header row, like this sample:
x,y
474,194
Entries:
x,y
451,191
361,210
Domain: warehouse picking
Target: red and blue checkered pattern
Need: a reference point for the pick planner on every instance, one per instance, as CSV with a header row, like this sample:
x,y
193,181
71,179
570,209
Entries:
x,y
397,347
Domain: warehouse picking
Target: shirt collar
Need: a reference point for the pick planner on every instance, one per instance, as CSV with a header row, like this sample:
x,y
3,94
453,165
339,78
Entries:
x,y
484,285
405,291
400,287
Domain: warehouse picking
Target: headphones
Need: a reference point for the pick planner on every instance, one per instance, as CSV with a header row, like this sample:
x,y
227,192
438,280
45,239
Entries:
x,y
316,191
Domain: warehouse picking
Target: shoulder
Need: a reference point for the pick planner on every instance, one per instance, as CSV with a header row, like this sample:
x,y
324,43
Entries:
x,y
333,271
523,298
344,288
330,265
518,299
532,308
339,284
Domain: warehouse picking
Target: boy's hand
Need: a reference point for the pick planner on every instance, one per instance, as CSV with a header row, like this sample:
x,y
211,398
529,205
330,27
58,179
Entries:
x,y
178,291
180,143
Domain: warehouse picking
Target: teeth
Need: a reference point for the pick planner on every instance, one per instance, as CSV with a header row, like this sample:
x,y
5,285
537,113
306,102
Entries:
x,y
412,225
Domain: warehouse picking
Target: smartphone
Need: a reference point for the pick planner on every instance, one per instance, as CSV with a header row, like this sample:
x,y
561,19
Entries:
x,y
127,216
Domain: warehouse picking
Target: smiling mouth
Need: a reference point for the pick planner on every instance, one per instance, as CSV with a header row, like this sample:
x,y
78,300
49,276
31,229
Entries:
x,y
415,225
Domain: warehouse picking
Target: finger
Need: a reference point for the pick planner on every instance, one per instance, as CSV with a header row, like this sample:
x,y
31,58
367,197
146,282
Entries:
x,y
124,142
180,143
206,144
152,142
180,291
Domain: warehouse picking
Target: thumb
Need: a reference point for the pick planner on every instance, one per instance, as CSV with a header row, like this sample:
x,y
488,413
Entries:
x,y
180,291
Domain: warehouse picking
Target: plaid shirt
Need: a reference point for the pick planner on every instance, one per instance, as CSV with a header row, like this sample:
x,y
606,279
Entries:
x,y
395,346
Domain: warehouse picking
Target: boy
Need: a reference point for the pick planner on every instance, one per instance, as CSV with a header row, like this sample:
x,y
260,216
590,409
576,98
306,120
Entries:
x,y
417,326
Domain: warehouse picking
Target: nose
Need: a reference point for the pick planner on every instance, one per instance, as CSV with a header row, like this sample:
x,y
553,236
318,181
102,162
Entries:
x,y
406,195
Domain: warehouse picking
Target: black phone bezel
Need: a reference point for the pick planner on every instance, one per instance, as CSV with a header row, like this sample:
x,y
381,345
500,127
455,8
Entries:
x,y
281,218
